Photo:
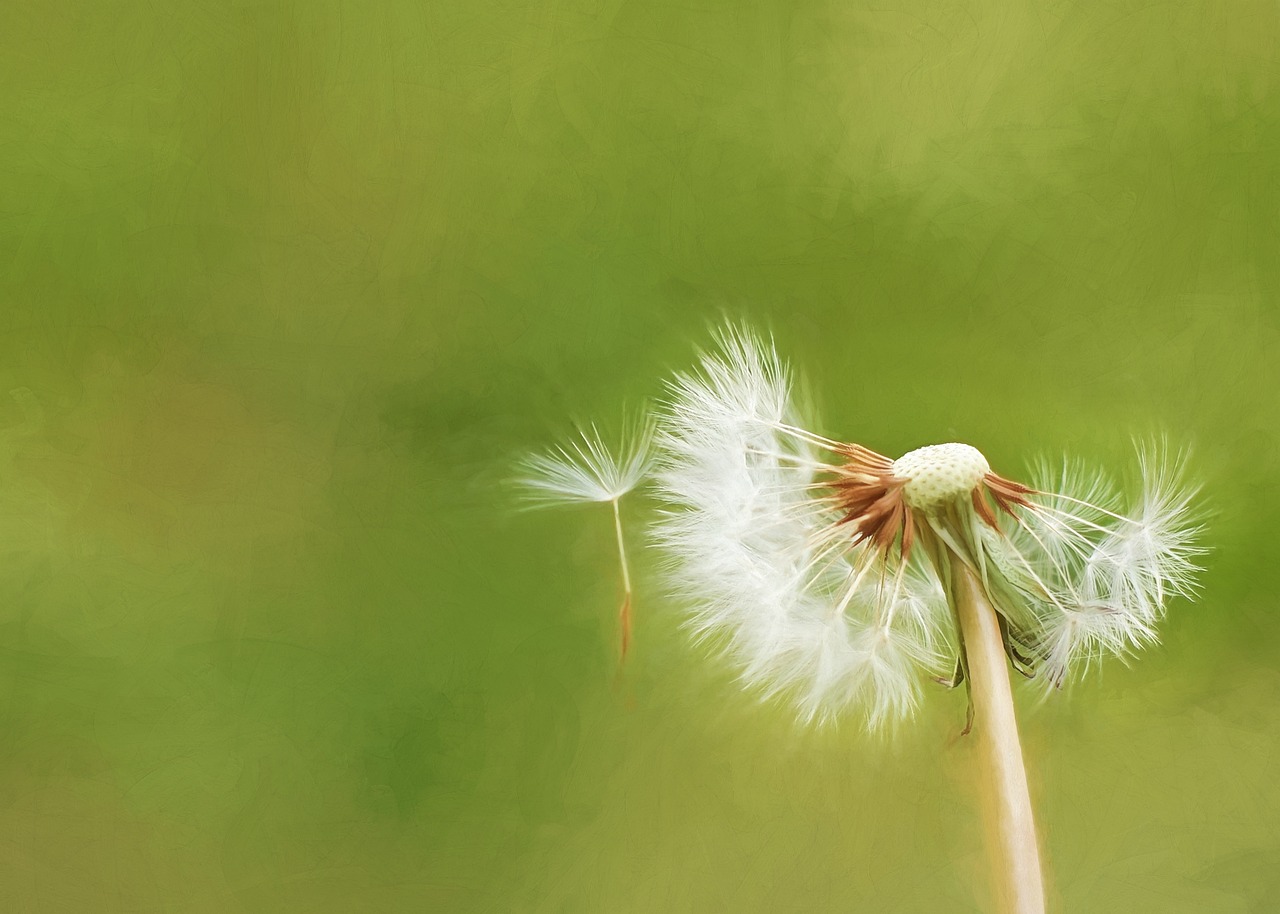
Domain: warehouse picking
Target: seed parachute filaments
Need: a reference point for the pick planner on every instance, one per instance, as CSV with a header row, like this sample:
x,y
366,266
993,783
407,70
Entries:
x,y
840,580
821,568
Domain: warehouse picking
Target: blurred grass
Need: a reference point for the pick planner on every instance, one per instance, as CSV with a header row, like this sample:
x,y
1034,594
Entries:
x,y
284,286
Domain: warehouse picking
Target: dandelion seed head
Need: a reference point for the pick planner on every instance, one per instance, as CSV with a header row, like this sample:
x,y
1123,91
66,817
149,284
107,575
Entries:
x,y
819,569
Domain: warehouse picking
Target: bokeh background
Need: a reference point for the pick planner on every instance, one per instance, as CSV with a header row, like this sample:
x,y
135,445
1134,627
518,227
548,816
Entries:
x,y
285,288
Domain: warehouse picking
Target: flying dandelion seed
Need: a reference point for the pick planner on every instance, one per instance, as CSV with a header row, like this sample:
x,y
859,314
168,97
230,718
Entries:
x,y
838,579
586,470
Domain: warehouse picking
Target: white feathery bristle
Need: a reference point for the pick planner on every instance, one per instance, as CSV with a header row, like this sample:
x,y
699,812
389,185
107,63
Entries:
x,y
751,551
813,603
1078,635
1109,574
1154,555
586,470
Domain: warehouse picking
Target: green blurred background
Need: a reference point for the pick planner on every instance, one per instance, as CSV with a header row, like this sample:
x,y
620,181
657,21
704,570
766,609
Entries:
x,y
285,287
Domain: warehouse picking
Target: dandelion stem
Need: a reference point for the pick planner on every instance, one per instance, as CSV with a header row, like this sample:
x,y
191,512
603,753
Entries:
x,y
1007,807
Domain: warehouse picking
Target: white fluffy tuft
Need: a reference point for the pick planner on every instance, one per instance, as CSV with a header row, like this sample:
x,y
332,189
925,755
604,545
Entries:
x,y
809,606
749,548
586,469
1106,570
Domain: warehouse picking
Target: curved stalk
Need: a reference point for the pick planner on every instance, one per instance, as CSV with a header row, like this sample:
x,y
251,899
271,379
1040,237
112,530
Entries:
x,y
1010,824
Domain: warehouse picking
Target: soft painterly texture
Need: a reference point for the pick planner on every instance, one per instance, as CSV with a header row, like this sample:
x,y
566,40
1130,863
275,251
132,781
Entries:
x,y
794,596
805,556
283,286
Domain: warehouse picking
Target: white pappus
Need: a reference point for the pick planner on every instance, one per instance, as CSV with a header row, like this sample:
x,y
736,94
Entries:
x,y
821,569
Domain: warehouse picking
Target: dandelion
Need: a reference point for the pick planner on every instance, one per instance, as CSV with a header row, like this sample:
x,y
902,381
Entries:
x,y
586,470
811,561
837,576
839,579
